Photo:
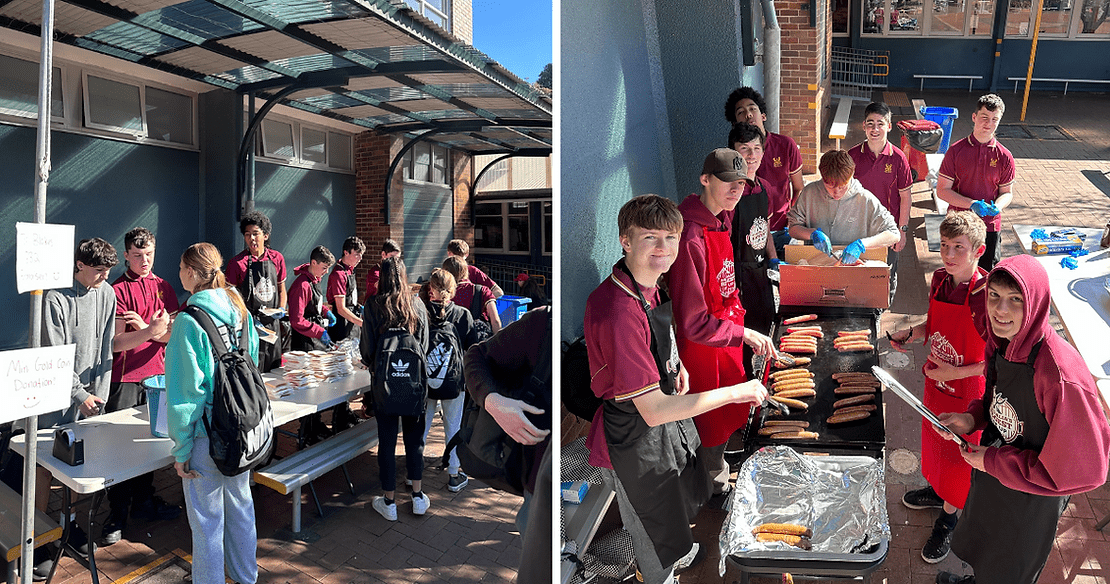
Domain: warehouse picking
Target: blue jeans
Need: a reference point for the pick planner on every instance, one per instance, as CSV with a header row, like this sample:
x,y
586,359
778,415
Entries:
x,y
452,419
221,516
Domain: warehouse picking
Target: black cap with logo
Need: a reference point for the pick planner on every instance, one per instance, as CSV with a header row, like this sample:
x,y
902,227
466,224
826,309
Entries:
x,y
727,165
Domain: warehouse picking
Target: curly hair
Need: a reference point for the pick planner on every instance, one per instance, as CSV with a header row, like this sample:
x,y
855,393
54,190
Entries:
x,y
742,93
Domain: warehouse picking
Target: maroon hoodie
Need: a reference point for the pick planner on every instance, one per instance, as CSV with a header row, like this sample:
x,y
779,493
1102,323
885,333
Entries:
x,y
300,296
1075,455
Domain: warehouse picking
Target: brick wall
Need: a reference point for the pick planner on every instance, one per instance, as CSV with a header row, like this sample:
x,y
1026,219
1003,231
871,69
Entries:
x,y
462,20
463,176
804,93
373,154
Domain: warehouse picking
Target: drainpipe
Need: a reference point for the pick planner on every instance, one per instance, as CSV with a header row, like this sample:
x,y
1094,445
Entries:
x,y
772,64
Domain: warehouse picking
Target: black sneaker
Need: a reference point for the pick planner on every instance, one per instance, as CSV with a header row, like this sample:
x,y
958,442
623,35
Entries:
x,y
457,482
79,540
111,533
939,542
43,561
950,578
155,509
925,498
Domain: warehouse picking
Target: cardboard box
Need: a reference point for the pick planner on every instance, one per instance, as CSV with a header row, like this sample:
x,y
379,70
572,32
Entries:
x,y
810,278
1055,245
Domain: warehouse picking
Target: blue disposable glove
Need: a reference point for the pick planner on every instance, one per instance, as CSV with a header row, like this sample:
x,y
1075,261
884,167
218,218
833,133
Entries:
x,y
331,318
852,252
775,263
821,242
326,339
985,209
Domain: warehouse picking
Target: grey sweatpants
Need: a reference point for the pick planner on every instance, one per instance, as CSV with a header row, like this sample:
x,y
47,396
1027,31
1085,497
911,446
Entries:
x,y
221,516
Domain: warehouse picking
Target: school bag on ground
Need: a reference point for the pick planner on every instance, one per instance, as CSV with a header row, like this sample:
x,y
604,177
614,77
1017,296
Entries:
x,y
445,372
482,328
576,393
240,424
400,378
485,451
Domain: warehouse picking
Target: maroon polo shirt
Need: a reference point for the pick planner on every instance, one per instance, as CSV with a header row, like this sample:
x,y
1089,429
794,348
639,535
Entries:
x,y
781,158
237,267
618,341
977,171
144,296
464,294
479,277
372,281
946,290
337,282
883,175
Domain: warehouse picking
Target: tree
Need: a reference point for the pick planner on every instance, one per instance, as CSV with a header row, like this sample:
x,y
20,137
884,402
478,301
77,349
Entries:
x,y
545,80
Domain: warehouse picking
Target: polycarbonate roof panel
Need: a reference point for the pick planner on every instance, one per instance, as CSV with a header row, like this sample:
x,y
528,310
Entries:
x,y
201,18
363,112
270,45
496,104
361,33
136,39
201,60
299,11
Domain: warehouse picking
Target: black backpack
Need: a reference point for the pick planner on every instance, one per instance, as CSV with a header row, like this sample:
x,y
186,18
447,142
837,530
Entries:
x,y
400,377
482,328
241,423
576,393
485,450
445,373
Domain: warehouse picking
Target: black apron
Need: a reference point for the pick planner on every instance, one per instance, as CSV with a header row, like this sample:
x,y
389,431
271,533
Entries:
x,y
262,289
749,223
1006,535
664,480
314,313
344,328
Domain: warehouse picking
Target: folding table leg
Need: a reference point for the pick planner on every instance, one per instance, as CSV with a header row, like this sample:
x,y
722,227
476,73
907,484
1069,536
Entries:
x,y
315,499
1103,523
350,485
297,510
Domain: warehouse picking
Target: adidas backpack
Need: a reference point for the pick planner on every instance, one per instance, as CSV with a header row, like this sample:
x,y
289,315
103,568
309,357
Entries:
x,y
400,378
240,425
444,360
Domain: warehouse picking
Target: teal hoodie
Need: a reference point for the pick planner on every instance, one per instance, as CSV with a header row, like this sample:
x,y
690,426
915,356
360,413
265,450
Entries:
x,y
190,364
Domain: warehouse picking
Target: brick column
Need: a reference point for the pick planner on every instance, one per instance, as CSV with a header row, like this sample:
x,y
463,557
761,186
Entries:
x,y
804,93
373,154
463,171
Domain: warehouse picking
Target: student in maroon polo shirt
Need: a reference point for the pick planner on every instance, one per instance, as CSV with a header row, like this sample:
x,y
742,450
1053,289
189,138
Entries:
x,y
145,304
978,174
781,170
343,291
643,436
882,169
390,249
461,249
309,315
259,274
483,309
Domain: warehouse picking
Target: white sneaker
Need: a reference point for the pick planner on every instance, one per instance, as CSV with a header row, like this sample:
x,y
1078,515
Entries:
x,y
386,510
419,505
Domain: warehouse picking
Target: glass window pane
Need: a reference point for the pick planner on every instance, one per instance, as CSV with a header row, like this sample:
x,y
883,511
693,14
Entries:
x,y
547,228
169,116
948,17
1018,18
982,18
312,145
277,137
872,16
906,16
518,208
339,151
488,232
518,233
114,105
1056,17
407,163
19,88
1095,17
422,161
838,12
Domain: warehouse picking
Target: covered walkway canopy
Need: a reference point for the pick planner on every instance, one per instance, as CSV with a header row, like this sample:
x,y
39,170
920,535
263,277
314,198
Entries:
x,y
375,64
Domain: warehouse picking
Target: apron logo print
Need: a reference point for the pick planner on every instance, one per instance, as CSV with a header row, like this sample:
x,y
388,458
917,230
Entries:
x,y
673,361
264,290
1005,418
942,348
726,279
757,236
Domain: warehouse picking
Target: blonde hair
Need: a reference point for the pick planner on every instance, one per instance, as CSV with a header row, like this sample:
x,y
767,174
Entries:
x,y
205,261
439,280
967,223
456,266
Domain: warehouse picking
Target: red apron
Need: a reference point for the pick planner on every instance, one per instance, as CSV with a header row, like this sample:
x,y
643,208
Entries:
x,y
951,336
713,367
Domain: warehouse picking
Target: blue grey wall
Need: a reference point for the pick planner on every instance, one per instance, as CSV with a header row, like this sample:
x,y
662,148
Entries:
x,y
104,188
646,82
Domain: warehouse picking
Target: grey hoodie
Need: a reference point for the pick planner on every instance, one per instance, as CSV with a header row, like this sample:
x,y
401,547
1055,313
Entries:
x,y
85,317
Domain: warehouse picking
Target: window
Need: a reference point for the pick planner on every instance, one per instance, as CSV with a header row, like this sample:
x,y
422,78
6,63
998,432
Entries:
x,y
429,163
277,139
929,17
488,229
506,227
169,116
19,88
1095,17
517,226
139,110
339,151
304,145
838,13
547,228
434,10
313,145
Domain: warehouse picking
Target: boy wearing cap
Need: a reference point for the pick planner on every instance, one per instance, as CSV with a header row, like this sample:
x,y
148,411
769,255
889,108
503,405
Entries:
x,y
782,170
708,317
837,210
978,173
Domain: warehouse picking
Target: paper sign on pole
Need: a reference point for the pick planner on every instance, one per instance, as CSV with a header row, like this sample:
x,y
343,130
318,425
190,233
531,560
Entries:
x,y
43,256
35,381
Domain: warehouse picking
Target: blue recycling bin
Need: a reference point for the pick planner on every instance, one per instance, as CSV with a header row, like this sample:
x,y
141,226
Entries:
x,y
155,386
945,117
511,308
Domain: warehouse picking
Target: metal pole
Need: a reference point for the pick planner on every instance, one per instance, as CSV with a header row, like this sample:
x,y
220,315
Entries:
x,y
249,205
1032,59
42,179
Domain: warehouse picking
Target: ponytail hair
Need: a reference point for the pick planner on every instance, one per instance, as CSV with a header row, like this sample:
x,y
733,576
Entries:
x,y
205,261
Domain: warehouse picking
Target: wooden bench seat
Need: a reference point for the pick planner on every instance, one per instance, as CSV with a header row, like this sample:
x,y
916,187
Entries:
x,y
839,128
11,529
970,78
1065,81
289,474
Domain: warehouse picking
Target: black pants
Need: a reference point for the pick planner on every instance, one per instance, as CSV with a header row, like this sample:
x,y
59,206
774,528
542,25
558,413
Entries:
x,y
993,253
121,497
413,428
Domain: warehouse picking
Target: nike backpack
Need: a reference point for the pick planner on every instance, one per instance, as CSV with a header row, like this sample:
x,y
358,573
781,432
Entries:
x,y
445,372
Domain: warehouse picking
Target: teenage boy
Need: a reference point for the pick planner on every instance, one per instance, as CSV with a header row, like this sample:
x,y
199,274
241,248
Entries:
x,y
390,249
259,273
144,306
642,437
478,299
709,320
837,210
954,378
882,169
1045,434
308,313
978,173
751,239
461,249
343,291
782,170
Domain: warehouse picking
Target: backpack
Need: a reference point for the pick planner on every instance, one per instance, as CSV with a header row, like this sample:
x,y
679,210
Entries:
x,y
576,393
400,377
240,424
445,374
482,328
485,450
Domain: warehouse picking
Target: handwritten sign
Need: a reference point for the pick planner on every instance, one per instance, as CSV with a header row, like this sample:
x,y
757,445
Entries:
x,y
43,256
35,381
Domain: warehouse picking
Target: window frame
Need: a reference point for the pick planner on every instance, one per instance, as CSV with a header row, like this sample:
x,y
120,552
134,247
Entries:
x,y
408,163
62,76
505,215
297,127
422,7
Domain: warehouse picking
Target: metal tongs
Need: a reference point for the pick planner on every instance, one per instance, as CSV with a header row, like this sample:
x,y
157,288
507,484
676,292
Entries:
x,y
788,360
